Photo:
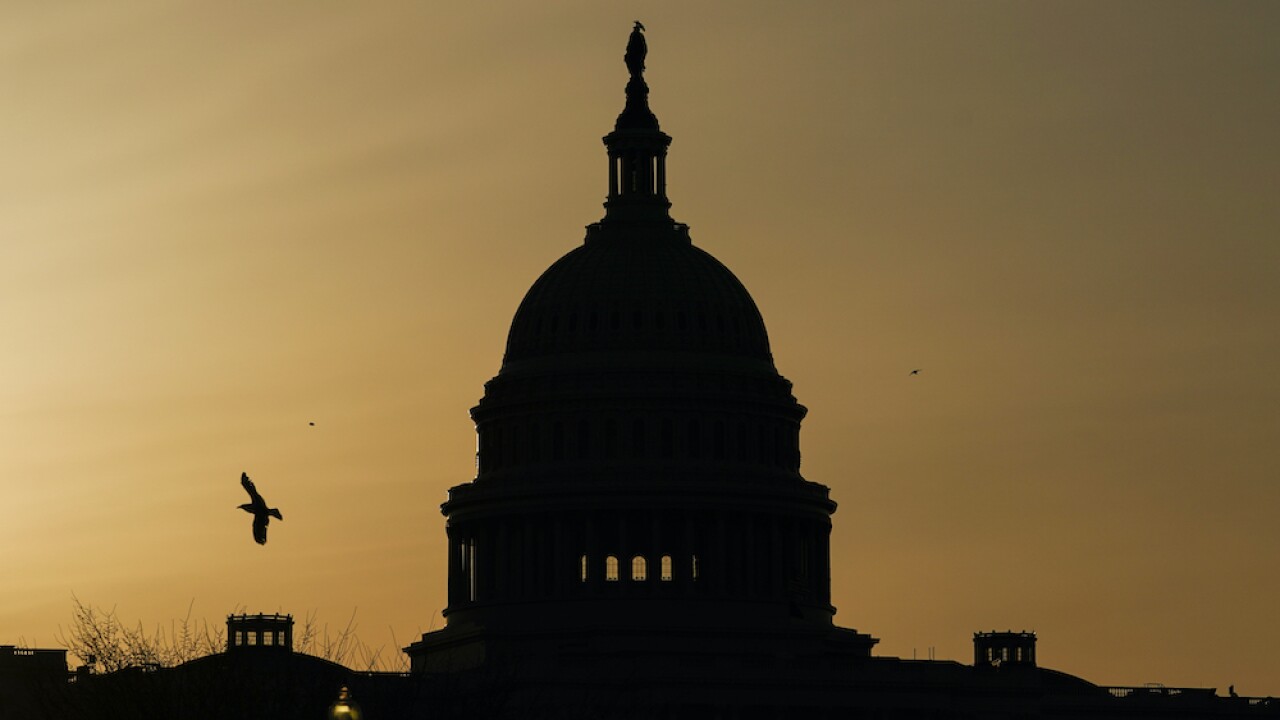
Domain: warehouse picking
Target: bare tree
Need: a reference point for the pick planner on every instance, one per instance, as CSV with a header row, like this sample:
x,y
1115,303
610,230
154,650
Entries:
x,y
99,639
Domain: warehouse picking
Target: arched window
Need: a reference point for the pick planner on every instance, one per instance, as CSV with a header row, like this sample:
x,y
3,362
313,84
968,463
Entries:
x,y
639,568
637,438
582,564
495,454
611,568
665,568
610,438
584,440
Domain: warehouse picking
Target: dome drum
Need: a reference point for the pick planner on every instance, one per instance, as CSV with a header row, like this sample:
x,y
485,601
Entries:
x,y
660,443
542,556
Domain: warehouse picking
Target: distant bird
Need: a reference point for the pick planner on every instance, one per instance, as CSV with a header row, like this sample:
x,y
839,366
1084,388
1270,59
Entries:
x,y
915,372
258,508
311,424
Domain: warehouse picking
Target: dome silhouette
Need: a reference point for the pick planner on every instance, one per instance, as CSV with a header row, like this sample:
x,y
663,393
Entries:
x,y
620,295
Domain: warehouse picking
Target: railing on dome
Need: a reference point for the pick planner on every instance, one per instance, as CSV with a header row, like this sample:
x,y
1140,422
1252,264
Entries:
x,y
268,617
1156,692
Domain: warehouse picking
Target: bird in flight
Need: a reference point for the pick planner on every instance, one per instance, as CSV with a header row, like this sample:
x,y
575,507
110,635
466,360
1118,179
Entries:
x,y
914,372
258,508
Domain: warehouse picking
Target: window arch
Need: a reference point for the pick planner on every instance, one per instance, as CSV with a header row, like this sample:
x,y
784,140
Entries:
x,y
557,441
584,440
610,438
639,568
637,438
611,568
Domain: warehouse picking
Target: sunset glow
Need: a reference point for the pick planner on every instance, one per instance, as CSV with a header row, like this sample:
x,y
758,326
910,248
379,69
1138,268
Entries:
x,y
289,239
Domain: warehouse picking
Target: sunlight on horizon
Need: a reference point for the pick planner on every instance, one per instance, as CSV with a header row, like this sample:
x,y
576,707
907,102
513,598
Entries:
x,y
220,224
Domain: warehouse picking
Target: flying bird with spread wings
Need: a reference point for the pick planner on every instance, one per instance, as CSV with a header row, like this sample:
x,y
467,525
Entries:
x,y
257,507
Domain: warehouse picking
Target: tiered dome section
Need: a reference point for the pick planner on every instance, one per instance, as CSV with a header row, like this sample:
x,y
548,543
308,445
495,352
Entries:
x,y
620,295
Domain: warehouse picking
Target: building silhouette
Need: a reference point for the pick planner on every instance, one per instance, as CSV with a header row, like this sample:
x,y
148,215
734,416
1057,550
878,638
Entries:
x,y
639,467
638,541
261,631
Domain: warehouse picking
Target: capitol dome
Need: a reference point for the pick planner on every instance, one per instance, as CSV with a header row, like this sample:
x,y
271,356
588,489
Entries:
x,y
623,294
638,454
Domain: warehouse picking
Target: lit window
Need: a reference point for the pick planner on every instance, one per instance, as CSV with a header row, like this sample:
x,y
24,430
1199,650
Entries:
x,y
639,568
582,563
253,638
470,564
695,567
665,568
611,568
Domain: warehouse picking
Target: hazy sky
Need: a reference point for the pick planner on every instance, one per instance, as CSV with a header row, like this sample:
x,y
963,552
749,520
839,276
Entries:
x,y
222,221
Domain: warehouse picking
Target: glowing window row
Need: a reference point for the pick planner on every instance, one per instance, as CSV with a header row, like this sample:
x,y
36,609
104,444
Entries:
x,y
639,568
250,638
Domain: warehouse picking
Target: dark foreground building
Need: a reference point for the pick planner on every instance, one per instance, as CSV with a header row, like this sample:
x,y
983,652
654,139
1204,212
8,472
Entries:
x,y
638,541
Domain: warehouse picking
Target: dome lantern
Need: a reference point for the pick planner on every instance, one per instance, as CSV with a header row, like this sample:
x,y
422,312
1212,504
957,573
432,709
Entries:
x,y
637,149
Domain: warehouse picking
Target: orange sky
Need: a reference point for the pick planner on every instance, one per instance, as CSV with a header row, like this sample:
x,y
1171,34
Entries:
x,y
223,221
